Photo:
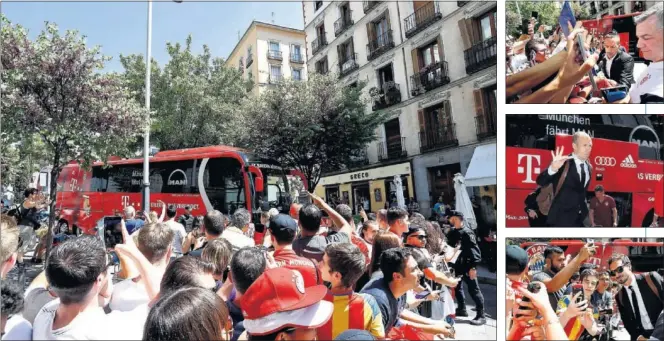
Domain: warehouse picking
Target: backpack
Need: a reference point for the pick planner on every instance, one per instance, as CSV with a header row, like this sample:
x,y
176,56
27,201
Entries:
x,y
545,197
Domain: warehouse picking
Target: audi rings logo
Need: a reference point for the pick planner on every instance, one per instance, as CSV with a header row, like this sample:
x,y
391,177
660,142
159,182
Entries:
x,y
606,161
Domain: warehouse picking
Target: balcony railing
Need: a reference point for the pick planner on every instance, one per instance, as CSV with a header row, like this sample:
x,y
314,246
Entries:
x,y
383,43
391,150
274,54
343,23
275,79
368,5
603,5
318,44
389,95
485,125
250,60
429,78
443,137
481,55
462,3
358,160
296,58
422,18
348,66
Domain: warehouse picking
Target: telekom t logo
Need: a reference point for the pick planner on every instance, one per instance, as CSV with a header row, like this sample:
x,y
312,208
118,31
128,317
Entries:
x,y
530,168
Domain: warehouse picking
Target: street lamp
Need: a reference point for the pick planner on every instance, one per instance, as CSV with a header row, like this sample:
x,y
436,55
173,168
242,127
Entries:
x,y
146,139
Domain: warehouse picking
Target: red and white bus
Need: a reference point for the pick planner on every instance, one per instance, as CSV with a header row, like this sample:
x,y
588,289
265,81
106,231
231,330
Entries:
x,y
630,170
204,179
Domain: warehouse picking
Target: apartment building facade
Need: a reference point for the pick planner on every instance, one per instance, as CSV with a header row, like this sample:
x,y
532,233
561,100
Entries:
x,y
432,66
268,54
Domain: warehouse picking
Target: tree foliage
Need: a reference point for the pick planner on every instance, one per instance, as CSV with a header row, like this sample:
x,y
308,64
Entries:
x,y
548,13
315,126
192,98
52,87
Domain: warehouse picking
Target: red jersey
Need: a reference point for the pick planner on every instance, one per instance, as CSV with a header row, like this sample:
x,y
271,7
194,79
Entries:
x,y
307,267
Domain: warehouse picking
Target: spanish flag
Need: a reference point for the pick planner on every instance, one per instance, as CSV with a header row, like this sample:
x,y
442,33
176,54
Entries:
x,y
574,328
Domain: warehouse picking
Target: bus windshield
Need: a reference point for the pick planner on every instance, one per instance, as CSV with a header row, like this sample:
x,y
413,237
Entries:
x,y
276,189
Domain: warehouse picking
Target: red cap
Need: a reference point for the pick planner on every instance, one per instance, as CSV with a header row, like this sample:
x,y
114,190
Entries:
x,y
278,299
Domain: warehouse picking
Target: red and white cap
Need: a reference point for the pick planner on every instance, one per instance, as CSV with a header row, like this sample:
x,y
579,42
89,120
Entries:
x,y
278,299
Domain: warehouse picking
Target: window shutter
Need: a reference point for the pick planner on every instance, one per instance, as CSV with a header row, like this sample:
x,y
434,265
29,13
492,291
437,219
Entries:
x,y
423,135
416,61
479,102
465,34
441,50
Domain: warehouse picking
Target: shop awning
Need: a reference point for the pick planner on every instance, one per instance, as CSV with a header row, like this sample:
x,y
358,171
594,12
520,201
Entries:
x,y
482,168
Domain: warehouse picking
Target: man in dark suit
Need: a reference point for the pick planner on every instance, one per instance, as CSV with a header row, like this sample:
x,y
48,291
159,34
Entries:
x,y
640,299
466,265
569,208
616,64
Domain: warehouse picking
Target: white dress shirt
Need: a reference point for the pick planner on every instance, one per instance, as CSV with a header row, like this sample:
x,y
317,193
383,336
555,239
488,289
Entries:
x,y
609,62
578,164
645,319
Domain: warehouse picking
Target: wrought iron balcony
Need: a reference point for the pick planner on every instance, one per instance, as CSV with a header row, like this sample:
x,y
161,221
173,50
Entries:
x,y
429,78
274,54
422,18
389,95
392,150
348,66
343,23
462,3
368,5
443,137
318,44
296,58
481,55
485,125
381,44
275,79
250,60
360,160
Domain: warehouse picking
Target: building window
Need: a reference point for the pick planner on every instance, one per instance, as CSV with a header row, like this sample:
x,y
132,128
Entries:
x,y
250,57
429,54
620,10
274,46
318,5
275,73
296,52
321,66
296,74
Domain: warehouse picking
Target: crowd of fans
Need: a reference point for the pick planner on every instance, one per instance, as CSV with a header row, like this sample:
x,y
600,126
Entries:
x,y
572,300
392,277
548,66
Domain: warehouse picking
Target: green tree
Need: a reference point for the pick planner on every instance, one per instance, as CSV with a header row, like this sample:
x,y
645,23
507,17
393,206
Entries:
x,y
53,88
192,99
548,13
315,126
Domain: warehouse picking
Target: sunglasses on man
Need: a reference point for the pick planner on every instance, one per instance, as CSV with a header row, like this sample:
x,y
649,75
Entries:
x,y
618,270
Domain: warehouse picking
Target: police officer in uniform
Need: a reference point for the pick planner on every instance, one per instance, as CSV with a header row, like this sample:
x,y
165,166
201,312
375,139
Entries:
x,y
466,266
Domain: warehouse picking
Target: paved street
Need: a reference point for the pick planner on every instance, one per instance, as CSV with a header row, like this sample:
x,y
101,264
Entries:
x,y
466,331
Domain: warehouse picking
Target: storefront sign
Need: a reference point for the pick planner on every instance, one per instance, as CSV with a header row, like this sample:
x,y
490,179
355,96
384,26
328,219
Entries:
x,y
368,174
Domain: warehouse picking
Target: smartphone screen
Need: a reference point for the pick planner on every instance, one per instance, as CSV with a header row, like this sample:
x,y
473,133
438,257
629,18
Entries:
x,y
534,14
422,294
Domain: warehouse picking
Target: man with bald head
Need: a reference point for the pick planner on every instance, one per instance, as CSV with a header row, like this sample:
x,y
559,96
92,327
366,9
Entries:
x,y
569,208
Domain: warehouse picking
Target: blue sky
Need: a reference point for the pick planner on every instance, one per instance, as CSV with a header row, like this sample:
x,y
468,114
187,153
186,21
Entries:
x,y
121,27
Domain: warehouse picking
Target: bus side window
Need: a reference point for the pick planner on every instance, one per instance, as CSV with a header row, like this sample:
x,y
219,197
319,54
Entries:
x,y
99,182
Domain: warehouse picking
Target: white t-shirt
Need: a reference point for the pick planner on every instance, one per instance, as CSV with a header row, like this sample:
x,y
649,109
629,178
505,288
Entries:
x,y
651,81
35,299
127,295
179,234
88,325
92,325
237,238
18,328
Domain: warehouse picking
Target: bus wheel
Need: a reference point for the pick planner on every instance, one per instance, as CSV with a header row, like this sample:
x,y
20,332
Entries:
x,y
63,227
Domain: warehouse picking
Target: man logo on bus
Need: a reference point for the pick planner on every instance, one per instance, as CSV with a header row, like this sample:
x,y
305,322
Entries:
x,y
177,178
530,168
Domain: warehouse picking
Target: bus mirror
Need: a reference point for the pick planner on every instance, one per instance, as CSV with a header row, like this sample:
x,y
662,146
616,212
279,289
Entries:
x,y
258,184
